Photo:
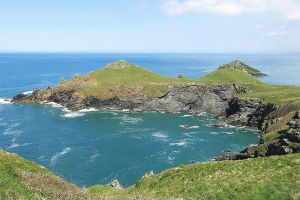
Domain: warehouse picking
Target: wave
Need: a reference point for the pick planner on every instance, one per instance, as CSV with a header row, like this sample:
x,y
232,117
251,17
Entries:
x,y
5,101
58,155
187,116
94,156
80,113
28,92
180,143
129,120
15,145
159,135
189,126
72,114
54,105
9,131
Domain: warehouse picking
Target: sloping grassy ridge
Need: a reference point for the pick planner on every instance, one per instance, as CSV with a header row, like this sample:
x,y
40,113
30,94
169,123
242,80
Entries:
x,y
275,177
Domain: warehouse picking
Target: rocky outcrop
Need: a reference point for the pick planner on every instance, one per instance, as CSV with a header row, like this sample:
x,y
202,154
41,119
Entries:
x,y
279,125
248,113
116,185
190,98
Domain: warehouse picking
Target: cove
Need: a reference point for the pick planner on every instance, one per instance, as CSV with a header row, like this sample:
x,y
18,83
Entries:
x,y
88,148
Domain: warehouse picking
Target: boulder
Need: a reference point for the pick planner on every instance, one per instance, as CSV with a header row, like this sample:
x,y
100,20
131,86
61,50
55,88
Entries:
x,y
115,184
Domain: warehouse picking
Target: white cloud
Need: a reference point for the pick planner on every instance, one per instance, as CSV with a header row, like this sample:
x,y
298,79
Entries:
x,y
290,9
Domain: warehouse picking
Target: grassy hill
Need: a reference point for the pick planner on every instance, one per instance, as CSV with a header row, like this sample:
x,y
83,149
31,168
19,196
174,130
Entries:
x,y
261,178
121,79
127,80
275,94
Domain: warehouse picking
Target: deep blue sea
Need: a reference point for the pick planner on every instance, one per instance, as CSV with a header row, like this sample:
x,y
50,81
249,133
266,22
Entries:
x,y
89,148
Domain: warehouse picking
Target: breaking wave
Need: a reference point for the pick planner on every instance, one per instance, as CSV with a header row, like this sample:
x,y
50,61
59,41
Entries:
x,y
59,155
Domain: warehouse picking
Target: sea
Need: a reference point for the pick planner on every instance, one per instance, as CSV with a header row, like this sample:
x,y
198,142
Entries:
x,y
91,147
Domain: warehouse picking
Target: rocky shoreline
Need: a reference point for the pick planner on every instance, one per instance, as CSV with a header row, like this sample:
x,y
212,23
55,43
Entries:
x,y
185,98
279,125
219,100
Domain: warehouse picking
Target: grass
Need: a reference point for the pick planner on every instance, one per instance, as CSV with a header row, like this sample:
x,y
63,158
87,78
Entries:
x,y
21,179
122,79
274,177
260,178
280,95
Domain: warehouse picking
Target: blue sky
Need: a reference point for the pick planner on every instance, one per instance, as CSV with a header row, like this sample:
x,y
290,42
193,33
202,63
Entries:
x,y
205,26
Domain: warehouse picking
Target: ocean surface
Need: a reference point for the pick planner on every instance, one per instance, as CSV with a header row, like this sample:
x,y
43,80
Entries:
x,y
94,147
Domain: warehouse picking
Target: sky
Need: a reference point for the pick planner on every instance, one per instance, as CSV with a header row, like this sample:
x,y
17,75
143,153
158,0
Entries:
x,y
150,26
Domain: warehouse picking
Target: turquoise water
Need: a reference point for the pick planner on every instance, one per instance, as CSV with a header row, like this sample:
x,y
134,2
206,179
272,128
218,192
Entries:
x,y
89,148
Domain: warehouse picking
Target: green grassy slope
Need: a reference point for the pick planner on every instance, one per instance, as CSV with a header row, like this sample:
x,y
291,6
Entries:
x,y
122,79
21,179
260,178
269,93
275,177
125,80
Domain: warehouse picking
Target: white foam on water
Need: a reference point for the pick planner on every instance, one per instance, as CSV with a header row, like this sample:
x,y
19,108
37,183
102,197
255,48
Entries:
x,y
180,143
187,116
28,92
94,156
88,110
9,131
159,135
54,105
73,114
80,113
5,101
59,155
188,126
201,114
130,120
214,133
15,145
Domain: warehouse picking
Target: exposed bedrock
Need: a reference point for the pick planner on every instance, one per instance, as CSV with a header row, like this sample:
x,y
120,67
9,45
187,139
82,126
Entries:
x,y
279,126
190,98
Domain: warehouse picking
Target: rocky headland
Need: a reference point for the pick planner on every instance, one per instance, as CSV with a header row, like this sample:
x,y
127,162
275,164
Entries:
x,y
231,92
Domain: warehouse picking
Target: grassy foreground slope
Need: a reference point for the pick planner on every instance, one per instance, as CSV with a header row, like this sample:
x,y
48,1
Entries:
x,y
21,179
275,177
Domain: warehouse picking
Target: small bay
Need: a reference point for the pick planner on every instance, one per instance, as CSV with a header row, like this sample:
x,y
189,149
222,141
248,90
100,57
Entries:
x,y
94,147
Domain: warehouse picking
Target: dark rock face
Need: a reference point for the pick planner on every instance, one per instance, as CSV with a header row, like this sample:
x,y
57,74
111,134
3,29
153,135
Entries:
x,y
265,116
249,113
21,98
190,98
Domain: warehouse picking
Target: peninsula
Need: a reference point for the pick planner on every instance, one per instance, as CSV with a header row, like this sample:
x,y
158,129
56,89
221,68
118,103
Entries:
x,y
232,92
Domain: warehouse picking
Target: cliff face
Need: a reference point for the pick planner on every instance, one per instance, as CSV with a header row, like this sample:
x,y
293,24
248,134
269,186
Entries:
x,y
279,126
189,98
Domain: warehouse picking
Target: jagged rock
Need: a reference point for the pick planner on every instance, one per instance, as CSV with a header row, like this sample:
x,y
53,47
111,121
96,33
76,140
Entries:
x,y
190,98
251,113
219,125
231,156
148,174
115,184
